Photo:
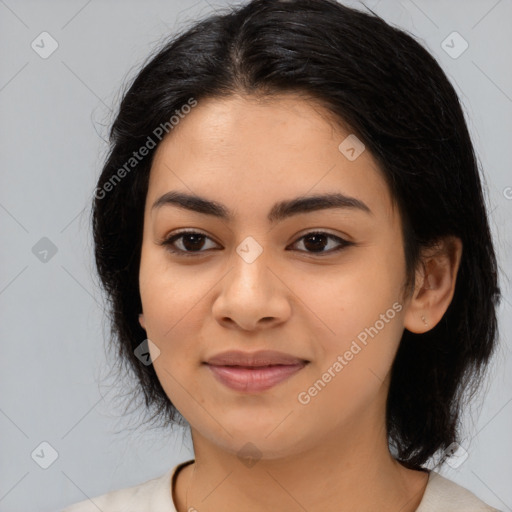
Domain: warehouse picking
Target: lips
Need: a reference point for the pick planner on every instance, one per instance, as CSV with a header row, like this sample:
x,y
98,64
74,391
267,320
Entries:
x,y
252,359
254,372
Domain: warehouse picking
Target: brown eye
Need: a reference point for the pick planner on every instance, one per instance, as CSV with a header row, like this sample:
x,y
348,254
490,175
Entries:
x,y
318,241
190,241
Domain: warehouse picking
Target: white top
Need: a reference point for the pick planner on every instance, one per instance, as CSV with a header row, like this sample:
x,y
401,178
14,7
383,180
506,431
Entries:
x,y
441,495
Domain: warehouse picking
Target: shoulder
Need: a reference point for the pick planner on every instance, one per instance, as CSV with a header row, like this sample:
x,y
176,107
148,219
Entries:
x,y
444,495
152,496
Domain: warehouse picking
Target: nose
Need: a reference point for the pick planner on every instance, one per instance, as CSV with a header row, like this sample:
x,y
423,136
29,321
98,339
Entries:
x,y
252,296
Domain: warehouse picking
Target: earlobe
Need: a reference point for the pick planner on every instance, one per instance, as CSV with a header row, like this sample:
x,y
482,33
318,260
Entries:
x,y
435,285
141,321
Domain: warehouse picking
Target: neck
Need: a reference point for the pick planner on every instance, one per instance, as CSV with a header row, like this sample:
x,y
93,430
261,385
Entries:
x,y
349,470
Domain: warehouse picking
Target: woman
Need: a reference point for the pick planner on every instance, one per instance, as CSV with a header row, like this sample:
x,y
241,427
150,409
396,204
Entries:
x,y
291,229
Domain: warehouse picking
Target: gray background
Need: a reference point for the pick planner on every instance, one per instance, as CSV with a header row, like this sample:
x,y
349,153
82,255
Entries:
x,y
54,369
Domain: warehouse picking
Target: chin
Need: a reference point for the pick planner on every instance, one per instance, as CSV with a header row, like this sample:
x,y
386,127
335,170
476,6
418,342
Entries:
x,y
263,443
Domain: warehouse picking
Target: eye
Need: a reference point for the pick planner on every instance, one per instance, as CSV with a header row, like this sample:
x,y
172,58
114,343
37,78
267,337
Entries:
x,y
193,241
316,241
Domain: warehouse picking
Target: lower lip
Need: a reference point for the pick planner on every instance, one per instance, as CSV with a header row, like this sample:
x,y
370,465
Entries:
x,y
244,379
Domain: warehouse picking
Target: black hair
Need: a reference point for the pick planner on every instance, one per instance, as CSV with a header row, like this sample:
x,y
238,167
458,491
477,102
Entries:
x,y
384,85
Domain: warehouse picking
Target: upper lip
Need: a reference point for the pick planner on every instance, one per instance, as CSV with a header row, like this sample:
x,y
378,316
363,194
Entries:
x,y
259,358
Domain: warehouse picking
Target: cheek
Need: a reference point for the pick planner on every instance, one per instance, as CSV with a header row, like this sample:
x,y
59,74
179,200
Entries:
x,y
173,313
361,316
352,296
354,365
168,293
173,304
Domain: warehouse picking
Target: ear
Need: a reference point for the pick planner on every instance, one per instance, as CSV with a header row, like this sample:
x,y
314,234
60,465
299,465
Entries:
x,y
434,286
141,321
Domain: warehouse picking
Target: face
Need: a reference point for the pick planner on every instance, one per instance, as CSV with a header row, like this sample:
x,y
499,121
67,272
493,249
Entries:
x,y
319,282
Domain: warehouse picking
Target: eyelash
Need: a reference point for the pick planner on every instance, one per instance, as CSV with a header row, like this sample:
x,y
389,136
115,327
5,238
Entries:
x,y
170,240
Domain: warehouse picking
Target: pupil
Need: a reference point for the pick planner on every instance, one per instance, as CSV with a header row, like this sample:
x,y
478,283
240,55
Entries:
x,y
195,239
318,245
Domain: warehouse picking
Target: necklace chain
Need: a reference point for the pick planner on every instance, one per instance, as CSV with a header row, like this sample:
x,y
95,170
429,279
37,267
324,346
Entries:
x,y
189,486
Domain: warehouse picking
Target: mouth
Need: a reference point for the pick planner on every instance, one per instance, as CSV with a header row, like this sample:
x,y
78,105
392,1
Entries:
x,y
252,378
259,358
254,372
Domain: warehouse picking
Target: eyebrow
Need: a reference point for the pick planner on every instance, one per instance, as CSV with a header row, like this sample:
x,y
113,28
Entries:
x,y
278,212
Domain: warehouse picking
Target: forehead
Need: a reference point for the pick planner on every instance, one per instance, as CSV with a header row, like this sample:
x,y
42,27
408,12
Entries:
x,y
285,120
244,148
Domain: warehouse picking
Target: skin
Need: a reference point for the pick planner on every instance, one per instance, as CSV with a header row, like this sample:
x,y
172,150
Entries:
x,y
332,453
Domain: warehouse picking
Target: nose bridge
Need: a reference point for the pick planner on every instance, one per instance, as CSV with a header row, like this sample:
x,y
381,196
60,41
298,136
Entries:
x,y
250,273
250,292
